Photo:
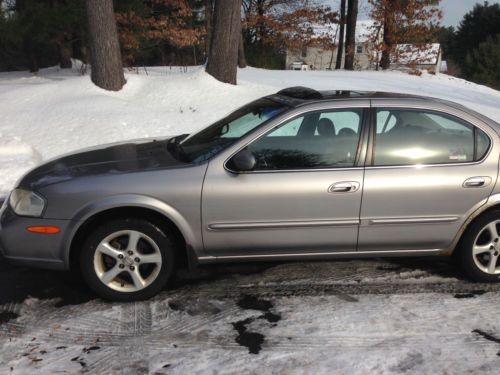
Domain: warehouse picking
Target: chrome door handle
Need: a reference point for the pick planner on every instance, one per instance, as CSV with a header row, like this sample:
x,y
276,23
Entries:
x,y
477,182
344,187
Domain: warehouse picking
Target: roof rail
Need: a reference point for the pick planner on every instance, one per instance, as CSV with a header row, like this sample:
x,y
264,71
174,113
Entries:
x,y
300,92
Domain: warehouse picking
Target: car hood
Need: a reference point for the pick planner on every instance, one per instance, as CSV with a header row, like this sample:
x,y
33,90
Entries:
x,y
115,158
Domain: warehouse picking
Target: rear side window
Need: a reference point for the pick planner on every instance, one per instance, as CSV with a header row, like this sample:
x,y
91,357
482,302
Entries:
x,y
412,137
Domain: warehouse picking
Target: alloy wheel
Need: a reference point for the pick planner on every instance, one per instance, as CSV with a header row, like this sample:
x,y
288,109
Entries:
x,y
486,249
127,261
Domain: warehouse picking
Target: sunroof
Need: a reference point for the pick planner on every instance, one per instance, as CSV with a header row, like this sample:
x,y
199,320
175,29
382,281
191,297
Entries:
x,y
300,92
305,93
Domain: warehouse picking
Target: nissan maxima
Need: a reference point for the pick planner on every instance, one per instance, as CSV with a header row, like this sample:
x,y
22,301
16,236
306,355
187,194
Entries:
x,y
301,174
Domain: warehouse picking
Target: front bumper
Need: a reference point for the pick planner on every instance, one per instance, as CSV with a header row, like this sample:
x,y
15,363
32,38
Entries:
x,y
19,246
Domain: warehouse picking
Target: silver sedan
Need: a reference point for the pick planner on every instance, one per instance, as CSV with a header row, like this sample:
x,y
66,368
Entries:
x,y
300,174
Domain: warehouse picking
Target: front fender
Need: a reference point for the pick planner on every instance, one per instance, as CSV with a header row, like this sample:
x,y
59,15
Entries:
x,y
127,200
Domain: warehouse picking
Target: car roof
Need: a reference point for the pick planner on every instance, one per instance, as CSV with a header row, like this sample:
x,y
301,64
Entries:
x,y
299,96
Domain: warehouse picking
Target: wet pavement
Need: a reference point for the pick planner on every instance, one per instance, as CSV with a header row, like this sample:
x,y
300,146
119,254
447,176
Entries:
x,y
230,308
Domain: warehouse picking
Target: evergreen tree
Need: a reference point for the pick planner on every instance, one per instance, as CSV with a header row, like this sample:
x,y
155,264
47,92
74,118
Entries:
x,y
482,63
223,54
106,58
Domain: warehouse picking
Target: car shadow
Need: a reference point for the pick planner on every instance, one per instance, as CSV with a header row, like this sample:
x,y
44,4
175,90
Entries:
x,y
20,283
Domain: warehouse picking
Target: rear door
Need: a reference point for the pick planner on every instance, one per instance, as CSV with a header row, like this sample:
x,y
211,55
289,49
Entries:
x,y
304,195
428,169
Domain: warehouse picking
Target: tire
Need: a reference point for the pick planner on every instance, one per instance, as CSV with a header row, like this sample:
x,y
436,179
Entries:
x,y
127,260
480,247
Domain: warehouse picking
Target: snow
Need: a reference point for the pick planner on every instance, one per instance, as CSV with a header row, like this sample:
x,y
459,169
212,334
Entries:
x,y
58,111
378,326
423,55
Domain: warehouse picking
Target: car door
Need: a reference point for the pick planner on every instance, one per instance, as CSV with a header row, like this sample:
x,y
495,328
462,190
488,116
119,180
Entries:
x,y
303,195
428,169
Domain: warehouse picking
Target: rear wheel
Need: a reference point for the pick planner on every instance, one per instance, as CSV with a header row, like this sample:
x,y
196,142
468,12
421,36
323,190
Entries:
x,y
480,248
127,260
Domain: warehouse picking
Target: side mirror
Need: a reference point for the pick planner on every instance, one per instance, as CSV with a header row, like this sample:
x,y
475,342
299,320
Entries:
x,y
243,161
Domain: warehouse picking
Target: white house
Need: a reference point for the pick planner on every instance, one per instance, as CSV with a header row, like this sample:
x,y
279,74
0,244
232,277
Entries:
x,y
322,59
427,57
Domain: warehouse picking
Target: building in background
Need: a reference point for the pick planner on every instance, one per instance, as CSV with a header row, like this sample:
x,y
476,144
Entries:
x,y
323,59
406,56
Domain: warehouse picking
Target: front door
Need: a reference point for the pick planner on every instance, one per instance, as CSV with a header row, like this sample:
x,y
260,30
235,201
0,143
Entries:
x,y
429,171
303,196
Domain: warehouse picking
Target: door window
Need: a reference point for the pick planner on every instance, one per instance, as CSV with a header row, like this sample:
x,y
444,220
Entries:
x,y
412,137
315,140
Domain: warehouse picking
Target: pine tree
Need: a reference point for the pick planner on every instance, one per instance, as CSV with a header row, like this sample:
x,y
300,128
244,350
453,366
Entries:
x,y
223,54
106,58
481,65
350,45
479,24
340,49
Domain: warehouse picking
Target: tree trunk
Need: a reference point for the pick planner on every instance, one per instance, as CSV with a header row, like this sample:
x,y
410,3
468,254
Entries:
x,y
352,19
105,54
242,61
223,55
65,51
209,9
340,49
385,61
29,52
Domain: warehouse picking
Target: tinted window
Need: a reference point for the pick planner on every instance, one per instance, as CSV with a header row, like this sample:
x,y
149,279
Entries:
x,y
409,137
315,140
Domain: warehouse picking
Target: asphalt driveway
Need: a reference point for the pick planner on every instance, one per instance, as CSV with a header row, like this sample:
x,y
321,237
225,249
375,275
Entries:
x,y
360,316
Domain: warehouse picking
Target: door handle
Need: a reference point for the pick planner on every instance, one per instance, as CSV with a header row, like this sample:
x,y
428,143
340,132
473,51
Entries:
x,y
344,187
475,182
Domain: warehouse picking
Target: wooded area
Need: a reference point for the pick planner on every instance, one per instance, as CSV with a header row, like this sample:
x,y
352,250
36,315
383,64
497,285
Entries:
x,y
41,33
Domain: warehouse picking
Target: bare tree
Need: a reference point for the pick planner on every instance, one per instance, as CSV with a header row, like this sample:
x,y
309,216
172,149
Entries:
x,y
209,11
340,49
388,35
226,35
242,61
352,19
105,54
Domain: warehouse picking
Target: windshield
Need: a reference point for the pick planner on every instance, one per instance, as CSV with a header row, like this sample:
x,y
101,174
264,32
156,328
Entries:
x,y
208,142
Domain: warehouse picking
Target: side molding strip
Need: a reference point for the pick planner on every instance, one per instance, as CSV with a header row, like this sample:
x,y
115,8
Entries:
x,y
281,225
420,220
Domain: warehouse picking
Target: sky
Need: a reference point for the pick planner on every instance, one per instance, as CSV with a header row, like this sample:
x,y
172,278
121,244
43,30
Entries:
x,y
453,10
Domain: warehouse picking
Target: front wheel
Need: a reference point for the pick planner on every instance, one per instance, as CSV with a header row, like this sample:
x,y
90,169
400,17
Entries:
x,y
480,248
127,260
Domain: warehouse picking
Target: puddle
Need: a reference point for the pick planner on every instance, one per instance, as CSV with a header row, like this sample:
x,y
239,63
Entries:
x,y
487,336
6,316
254,340
472,294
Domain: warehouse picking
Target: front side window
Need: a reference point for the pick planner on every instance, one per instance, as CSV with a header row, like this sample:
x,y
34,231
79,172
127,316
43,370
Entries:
x,y
316,140
210,141
413,137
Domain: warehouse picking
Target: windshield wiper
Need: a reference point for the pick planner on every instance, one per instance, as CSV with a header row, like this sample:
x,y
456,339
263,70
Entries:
x,y
175,148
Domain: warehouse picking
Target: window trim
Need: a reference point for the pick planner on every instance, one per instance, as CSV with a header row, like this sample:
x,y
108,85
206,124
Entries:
x,y
373,136
359,160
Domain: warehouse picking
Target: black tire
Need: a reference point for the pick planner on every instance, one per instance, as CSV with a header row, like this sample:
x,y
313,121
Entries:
x,y
465,247
150,229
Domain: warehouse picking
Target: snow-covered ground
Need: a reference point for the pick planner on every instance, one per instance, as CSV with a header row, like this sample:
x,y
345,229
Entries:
x,y
60,111
345,317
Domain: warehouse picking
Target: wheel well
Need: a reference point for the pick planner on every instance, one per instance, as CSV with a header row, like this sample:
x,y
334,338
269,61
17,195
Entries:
x,y
496,207
162,221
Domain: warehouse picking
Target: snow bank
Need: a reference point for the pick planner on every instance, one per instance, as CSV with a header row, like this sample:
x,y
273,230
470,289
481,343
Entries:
x,y
60,111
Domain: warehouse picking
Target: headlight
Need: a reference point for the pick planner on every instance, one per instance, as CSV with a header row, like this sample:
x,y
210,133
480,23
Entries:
x,y
26,203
